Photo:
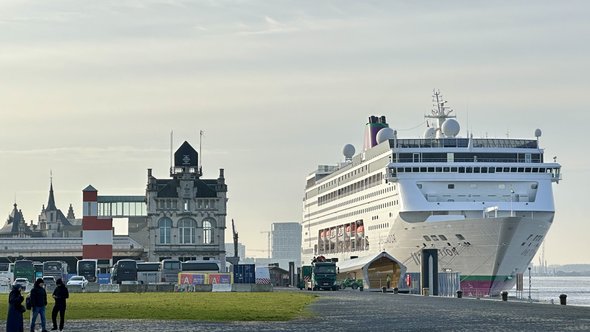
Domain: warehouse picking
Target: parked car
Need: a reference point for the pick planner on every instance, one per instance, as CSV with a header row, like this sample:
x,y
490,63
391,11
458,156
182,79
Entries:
x,y
49,282
21,281
77,281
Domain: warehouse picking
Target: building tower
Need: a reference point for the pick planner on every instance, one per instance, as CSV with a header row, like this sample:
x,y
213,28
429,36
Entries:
x,y
186,214
97,233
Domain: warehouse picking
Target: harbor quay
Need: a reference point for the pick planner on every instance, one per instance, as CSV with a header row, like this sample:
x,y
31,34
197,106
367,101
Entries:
x,y
372,311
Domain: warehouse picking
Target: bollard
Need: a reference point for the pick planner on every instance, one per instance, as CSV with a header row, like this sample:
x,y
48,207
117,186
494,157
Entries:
x,y
459,294
395,290
504,296
361,287
425,291
383,289
562,299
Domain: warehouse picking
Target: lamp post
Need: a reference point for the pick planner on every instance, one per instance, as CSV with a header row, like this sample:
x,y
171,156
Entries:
x,y
511,198
530,300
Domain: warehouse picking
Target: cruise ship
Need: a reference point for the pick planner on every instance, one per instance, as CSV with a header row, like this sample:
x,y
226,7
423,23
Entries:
x,y
486,204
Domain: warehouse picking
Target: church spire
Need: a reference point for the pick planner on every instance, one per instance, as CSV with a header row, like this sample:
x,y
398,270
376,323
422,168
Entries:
x,y
51,201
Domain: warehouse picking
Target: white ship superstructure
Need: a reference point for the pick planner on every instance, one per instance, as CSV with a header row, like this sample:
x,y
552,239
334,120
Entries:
x,y
485,204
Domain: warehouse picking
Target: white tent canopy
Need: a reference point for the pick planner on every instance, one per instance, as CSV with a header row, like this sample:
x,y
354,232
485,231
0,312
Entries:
x,y
366,263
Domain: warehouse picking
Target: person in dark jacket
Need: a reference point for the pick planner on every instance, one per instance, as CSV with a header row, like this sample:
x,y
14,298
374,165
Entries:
x,y
14,322
38,302
60,294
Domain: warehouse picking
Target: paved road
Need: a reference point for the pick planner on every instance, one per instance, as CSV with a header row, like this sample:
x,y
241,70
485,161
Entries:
x,y
358,311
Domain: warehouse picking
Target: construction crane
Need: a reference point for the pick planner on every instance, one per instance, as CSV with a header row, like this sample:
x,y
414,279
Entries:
x,y
236,259
268,233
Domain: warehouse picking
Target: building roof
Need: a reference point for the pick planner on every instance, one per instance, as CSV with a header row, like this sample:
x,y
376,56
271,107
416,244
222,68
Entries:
x,y
14,223
362,262
168,188
51,200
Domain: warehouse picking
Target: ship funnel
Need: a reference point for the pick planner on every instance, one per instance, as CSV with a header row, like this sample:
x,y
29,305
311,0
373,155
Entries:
x,y
375,124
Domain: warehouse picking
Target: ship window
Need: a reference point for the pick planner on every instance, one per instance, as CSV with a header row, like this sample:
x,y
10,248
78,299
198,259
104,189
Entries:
x,y
513,169
415,169
446,169
451,186
541,170
439,169
506,169
469,170
442,237
499,169
484,170
527,170
427,238
492,170
461,169
535,170
434,237
430,169
475,169
454,169
521,169
460,237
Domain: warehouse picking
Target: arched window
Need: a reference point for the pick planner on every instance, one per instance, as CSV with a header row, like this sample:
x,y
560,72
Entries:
x,y
165,226
207,232
187,231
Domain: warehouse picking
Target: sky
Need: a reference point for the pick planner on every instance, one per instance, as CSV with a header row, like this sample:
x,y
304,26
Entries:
x,y
90,91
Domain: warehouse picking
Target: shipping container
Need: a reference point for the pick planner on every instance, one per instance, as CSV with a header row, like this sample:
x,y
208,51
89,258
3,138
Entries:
x,y
245,274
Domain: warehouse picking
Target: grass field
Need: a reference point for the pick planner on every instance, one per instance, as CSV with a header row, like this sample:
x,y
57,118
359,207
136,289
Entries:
x,y
274,306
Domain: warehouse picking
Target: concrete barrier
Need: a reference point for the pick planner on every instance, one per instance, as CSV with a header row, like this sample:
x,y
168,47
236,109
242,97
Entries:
x,y
108,288
75,289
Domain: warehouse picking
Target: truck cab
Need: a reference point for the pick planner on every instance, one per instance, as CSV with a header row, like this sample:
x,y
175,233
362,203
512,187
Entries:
x,y
324,274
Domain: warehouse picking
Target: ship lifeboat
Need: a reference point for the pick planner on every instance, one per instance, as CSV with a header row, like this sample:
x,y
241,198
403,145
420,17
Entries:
x,y
360,231
351,230
340,233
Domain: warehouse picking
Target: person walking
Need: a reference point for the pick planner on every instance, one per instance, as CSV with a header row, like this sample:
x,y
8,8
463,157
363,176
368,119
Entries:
x,y
14,321
60,294
38,304
388,281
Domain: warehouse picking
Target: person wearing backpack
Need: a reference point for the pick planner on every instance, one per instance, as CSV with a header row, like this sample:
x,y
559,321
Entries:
x,y
60,294
38,302
14,321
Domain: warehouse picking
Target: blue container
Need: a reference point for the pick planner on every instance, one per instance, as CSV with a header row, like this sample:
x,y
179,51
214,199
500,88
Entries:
x,y
104,278
244,274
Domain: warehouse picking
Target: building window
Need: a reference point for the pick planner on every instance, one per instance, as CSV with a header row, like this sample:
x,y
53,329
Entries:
x,y
165,226
187,231
207,232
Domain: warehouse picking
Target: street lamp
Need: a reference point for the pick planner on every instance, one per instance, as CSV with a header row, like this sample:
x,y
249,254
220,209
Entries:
x,y
530,300
511,198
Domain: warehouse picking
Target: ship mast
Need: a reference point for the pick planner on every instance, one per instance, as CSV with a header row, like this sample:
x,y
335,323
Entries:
x,y
440,113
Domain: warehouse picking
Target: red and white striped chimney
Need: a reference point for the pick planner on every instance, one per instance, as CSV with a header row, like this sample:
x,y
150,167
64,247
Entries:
x,y
97,233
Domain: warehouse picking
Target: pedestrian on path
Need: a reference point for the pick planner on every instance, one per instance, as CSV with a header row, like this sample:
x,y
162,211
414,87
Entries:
x,y
388,281
14,321
38,303
60,294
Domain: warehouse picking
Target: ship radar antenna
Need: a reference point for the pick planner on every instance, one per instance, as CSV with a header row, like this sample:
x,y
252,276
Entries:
x,y
445,125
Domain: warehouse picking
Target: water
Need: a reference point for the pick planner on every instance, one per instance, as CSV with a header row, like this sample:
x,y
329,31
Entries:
x,y
545,289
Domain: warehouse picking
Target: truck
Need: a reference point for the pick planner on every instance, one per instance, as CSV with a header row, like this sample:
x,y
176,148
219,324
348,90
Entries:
x,y
305,277
323,274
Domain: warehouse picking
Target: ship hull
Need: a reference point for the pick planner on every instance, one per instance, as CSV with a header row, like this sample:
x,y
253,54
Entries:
x,y
488,253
